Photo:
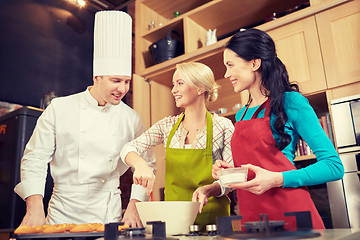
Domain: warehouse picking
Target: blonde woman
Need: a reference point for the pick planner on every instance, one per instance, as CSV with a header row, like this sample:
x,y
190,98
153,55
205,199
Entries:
x,y
194,140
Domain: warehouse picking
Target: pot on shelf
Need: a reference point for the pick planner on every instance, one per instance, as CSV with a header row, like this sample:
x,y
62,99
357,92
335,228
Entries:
x,y
166,48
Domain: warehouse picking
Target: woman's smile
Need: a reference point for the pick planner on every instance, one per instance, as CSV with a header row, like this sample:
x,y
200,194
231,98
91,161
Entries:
x,y
233,81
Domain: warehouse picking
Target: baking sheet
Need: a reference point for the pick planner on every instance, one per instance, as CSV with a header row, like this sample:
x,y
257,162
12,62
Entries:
x,y
67,235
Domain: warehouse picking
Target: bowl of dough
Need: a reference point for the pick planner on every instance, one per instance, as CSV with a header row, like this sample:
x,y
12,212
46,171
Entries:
x,y
177,215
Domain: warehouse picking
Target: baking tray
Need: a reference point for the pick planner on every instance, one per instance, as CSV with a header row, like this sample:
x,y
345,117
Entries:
x,y
66,235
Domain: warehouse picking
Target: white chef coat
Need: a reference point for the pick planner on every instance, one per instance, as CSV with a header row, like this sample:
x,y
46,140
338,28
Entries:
x,y
82,142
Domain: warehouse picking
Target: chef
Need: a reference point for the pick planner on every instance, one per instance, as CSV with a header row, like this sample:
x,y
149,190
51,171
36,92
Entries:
x,y
81,136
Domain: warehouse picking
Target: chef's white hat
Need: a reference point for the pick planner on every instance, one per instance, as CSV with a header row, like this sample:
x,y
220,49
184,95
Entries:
x,y
112,43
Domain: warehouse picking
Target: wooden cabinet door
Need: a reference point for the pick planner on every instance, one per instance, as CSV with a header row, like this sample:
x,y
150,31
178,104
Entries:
x,y
141,99
298,48
339,33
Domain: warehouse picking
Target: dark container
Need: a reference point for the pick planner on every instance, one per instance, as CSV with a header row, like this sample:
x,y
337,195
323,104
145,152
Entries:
x,y
16,130
167,48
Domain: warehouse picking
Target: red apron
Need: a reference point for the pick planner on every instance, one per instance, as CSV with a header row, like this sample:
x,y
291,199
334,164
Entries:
x,y
253,143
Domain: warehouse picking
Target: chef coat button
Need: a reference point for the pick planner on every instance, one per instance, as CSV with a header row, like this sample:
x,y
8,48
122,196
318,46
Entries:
x,y
110,159
102,180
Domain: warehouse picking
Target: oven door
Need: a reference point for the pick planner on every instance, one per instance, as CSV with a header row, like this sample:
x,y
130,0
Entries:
x,y
344,195
343,125
346,122
352,197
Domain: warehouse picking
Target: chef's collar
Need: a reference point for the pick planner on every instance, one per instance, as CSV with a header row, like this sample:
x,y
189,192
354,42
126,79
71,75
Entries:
x,y
94,103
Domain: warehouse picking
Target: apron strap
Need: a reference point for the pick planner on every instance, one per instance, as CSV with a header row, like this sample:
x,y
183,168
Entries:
x,y
172,132
256,113
247,107
209,131
265,105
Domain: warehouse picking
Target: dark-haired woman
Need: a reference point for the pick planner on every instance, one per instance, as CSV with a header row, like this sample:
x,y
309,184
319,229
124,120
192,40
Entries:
x,y
266,133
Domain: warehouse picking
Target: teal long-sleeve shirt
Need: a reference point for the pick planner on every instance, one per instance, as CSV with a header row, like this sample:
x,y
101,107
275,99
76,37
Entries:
x,y
302,121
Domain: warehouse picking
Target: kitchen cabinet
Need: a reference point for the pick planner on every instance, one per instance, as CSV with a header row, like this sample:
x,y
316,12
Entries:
x,y
142,105
298,48
339,35
299,37
344,91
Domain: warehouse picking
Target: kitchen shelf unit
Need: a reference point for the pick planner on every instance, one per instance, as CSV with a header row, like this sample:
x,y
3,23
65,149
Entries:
x,y
308,41
197,17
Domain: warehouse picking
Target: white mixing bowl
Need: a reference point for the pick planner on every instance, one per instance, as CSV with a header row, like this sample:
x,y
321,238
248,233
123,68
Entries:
x,y
177,215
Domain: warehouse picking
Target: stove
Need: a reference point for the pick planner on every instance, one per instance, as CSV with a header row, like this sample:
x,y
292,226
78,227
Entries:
x,y
263,229
158,232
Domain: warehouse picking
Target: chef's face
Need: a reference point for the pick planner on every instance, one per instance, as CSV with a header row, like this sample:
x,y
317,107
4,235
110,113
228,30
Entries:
x,y
240,72
184,93
110,89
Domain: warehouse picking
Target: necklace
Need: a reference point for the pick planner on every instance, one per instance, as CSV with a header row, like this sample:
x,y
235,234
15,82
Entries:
x,y
258,102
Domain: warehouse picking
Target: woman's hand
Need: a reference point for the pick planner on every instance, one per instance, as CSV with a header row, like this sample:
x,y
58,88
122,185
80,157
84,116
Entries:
x,y
143,174
219,164
202,194
263,181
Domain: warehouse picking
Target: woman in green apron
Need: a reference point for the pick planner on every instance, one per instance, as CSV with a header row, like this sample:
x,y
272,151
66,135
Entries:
x,y
194,140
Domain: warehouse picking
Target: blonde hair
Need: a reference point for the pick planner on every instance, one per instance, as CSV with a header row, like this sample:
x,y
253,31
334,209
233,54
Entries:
x,y
201,77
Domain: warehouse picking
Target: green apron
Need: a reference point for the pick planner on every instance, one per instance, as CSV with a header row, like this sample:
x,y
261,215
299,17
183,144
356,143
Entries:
x,y
188,169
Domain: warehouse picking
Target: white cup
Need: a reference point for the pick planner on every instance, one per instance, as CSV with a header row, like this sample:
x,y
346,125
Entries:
x,y
236,107
222,110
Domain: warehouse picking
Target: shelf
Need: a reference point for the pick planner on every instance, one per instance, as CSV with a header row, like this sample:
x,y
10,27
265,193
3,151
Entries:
x,y
228,16
159,33
212,55
305,157
318,102
167,8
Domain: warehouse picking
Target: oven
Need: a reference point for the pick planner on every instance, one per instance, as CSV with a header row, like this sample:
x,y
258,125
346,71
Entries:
x,y
344,195
346,122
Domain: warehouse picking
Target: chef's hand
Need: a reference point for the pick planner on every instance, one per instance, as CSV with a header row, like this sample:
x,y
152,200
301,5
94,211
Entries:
x,y
131,215
143,174
263,181
35,215
219,164
202,194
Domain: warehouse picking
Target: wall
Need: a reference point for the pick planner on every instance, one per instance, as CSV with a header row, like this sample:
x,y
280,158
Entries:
x,y
44,46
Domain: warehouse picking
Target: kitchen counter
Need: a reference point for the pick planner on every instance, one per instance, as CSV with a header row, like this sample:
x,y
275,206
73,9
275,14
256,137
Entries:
x,y
327,234
344,234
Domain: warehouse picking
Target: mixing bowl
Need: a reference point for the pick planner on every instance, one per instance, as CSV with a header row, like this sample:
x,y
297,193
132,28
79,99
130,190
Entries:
x,y
177,215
